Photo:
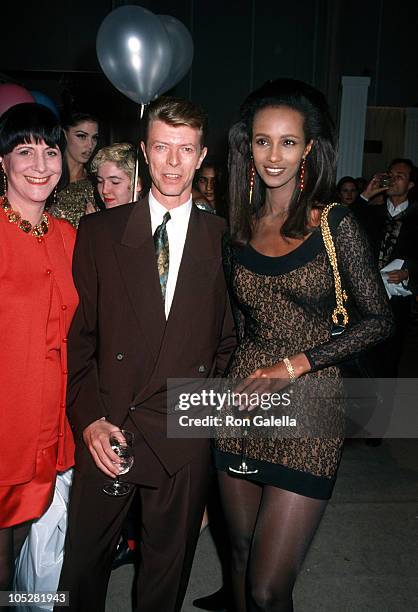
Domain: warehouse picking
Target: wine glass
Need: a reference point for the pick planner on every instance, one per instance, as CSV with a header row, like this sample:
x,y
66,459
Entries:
x,y
122,444
243,467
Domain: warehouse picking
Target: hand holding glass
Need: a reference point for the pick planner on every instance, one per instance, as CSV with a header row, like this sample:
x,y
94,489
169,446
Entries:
x,y
121,443
385,180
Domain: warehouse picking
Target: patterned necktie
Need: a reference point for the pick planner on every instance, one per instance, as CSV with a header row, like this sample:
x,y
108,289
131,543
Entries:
x,y
162,252
390,237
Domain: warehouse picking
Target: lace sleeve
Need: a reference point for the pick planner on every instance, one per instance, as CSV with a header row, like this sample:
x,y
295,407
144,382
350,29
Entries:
x,y
227,258
361,279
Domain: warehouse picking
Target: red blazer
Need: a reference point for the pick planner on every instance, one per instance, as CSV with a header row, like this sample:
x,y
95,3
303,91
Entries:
x,y
28,267
122,349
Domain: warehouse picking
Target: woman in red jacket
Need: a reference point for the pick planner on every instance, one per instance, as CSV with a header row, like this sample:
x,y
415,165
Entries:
x,y
37,302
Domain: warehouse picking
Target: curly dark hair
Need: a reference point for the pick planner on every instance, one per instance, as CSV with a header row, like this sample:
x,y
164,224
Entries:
x,y
320,163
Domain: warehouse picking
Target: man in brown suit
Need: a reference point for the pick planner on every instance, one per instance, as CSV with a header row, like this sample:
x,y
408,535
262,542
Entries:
x,y
137,325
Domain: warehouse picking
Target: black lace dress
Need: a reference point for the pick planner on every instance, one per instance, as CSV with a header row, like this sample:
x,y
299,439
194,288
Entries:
x,y
283,306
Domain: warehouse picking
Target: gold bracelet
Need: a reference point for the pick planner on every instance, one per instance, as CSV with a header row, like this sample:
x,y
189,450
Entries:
x,y
290,370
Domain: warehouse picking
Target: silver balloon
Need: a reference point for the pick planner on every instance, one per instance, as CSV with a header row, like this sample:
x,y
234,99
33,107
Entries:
x,y
182,51
134,52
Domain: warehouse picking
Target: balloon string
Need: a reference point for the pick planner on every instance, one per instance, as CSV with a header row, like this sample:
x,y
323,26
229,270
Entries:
x,y
136,173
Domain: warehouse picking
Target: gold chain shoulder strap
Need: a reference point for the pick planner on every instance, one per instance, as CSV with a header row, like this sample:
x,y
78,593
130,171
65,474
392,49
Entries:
x,y
340,294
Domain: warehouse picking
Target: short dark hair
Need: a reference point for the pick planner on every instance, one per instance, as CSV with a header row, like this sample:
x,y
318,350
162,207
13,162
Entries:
x,y
406,162
320,162
176,111
29,121
346,179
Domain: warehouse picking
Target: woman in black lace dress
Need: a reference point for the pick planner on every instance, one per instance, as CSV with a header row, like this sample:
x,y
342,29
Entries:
x,y
282,152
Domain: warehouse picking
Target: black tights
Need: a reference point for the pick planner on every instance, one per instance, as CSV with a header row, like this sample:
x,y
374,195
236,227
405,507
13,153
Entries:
x,y
11,541
270,531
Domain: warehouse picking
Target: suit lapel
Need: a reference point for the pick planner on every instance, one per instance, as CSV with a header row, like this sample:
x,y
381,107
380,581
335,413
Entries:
x,y
194,252
195,269
136,258
197,265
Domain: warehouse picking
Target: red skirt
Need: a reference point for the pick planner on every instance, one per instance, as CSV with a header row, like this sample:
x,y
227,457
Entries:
x,y
30,500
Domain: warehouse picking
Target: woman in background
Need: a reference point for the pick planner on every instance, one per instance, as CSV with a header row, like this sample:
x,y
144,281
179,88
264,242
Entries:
x,y
76,188
347,191
114,170
37,303
208,192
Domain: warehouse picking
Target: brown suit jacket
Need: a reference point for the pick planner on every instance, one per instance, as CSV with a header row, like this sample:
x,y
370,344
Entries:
x,y
122,349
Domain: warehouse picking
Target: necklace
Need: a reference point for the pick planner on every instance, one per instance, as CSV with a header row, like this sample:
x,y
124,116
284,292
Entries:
x,y
14,217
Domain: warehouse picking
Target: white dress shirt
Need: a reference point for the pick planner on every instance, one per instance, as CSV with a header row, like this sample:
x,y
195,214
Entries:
x,y
392,210
176,232
396,210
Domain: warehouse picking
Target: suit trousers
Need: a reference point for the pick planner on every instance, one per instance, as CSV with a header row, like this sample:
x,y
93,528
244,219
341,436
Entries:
x,y
383,362
169,528
385,357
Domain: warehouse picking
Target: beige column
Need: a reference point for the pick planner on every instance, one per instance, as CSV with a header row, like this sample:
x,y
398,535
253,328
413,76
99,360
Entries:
x,y
353,107
411,134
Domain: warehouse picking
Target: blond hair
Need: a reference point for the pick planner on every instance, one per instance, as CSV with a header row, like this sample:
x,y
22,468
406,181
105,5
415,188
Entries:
x,y
121,153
